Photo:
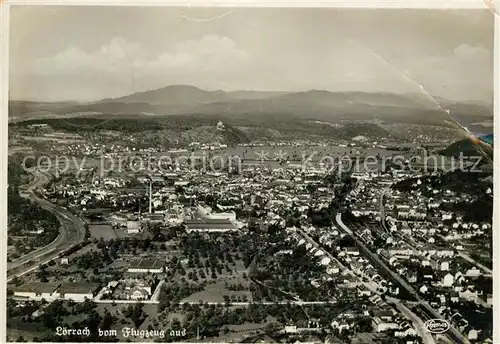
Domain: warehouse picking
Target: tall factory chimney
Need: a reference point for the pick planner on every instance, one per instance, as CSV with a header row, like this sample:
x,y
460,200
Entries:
x,y
150,196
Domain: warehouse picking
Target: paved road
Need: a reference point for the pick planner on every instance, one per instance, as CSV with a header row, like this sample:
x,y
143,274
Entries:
x,y
470,260
487,270
457,336
382,209
72,231
340,265
27,192
367,251
419,324
328,254
248,303
156,294
476,263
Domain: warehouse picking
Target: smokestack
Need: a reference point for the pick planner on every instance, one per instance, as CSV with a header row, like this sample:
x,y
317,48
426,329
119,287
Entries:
x,y
150,196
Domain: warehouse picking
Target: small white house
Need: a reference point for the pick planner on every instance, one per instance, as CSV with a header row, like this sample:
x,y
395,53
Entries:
x,y
448,281
133,227
445,266
472,335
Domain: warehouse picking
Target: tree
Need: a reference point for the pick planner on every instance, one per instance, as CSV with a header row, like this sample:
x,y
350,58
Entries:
x,y
272,327
135,313
101,243
107,320
43,274
365,325
16,281
92,321
86,306
87,232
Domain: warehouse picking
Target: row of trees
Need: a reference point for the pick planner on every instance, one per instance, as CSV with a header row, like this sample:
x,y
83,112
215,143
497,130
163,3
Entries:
x,y
211,320
55,314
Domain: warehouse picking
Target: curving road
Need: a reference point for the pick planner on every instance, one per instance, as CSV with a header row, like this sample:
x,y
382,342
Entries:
x,y
426,336
71,232
456,335
27,191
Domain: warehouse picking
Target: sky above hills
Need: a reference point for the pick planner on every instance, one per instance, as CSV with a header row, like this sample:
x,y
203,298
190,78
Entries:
x,y
89,53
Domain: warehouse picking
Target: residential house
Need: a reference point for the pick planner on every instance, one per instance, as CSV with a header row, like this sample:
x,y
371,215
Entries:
x,y
448,281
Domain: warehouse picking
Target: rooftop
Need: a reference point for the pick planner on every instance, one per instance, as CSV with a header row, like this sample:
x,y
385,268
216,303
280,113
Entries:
x,y
38,288
78,288
209,224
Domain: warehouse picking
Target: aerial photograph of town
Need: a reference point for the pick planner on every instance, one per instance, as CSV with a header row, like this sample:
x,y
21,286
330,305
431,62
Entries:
x,y
250,175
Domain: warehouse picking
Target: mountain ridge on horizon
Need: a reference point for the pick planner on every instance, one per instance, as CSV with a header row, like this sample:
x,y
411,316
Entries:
x,y
313,104
257,94
269,93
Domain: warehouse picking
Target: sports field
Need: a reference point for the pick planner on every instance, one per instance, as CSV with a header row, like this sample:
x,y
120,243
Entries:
x,y
102,231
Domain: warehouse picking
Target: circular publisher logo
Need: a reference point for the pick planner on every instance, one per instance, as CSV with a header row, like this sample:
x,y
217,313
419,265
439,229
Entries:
x,y
437,325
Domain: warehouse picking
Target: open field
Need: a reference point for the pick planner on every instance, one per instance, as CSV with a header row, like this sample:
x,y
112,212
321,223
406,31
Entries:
x,y
102,231
28,331
215,293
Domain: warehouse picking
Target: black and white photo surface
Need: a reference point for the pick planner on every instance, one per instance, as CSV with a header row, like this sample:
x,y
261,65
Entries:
x,y
249,175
